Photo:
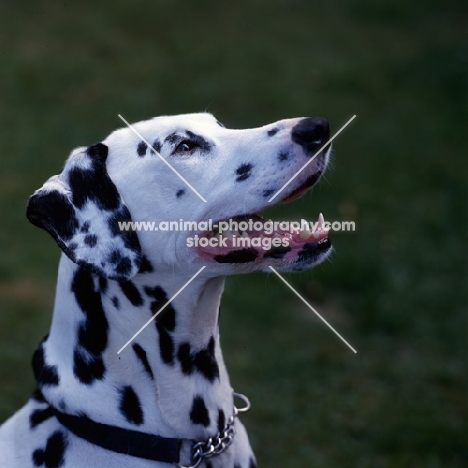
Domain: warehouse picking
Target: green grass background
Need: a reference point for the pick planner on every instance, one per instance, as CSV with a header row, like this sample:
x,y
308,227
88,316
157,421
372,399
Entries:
x,y
396,288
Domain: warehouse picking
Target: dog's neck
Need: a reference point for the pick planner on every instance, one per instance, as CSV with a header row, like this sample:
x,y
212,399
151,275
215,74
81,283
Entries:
x,y
171,380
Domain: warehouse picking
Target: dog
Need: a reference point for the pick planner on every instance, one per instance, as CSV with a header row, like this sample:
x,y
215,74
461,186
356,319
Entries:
x,y
166,399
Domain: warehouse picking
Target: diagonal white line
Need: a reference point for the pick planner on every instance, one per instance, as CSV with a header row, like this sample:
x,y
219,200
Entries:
x,y
161,309
311,308
162,159
312,158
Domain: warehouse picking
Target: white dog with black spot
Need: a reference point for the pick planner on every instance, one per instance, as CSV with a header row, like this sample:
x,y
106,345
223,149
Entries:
x,y
166,399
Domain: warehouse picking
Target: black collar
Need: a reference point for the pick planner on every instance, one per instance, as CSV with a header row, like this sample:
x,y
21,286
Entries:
x,y
134,443
144,445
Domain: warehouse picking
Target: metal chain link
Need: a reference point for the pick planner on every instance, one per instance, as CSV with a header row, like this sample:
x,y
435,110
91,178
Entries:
x,y
216,445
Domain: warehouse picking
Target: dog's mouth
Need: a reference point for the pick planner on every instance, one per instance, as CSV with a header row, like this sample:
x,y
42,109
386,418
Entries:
x,y
249,238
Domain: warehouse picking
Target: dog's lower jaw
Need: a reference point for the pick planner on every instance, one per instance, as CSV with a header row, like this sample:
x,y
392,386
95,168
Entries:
x,y
170,381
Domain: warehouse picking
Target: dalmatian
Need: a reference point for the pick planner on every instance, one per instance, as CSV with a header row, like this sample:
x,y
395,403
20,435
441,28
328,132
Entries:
x,y
166,399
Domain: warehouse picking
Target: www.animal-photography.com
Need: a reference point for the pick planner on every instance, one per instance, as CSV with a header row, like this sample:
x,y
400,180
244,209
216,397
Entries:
x,y
233,234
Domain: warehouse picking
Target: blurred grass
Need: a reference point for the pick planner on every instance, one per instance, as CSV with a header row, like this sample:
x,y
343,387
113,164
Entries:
x,y
396,288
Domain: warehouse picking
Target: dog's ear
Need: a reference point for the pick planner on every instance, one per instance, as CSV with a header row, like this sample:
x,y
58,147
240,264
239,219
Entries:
x,y
82,209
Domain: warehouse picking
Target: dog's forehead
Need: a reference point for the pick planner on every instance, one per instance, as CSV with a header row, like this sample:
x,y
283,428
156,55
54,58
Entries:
x,y
165,125
158,128
199,118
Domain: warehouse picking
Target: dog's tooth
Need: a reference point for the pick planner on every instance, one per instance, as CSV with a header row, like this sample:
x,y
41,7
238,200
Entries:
x,y
305,233
321,222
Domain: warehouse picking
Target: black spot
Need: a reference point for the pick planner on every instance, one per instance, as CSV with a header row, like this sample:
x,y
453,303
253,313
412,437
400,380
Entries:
x,y
146,266
165,323
141,354
53,212
172,138
115,301
157,293
44,373
283,156
98,152
243,172
53,456
91,240
199,413
131,292
238,256
221,420
273,131
39,416
203,361
166,345
199,142
92,332
130,405
85,227
141,148
180,193
87,368
94,184
268,192
277,252
157,146
123,264
115,256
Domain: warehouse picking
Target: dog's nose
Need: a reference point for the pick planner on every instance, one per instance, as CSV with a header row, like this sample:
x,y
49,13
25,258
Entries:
x,y
311,133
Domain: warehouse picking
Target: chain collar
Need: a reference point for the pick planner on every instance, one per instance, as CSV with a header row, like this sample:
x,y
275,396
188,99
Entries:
x,y
216,445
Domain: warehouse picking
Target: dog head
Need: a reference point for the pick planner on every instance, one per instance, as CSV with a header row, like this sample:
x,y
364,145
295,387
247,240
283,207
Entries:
x,y
167,171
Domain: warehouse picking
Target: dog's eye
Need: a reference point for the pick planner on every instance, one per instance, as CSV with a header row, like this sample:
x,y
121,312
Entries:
x,y
185,146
